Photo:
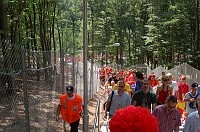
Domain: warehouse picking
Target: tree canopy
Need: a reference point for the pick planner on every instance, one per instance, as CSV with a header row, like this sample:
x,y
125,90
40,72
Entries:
x,y
152,32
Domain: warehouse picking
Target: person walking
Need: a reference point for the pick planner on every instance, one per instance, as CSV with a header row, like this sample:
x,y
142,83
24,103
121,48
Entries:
x,y
168,116
145,97
70,108
164,90
153,80
139,78
191,98
192,123
173,84
126,85
183,88
117,99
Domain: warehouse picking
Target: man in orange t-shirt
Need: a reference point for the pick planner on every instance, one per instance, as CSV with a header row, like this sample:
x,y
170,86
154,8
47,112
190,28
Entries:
x,y
70,108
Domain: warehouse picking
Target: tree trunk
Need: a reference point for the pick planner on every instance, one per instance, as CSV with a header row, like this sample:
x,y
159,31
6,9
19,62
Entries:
x,y
197,33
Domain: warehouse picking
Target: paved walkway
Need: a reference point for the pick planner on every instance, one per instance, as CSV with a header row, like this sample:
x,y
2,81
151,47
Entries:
x,y
91,112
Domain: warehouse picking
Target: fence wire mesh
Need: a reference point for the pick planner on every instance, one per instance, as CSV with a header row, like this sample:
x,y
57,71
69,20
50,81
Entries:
x,y
31,83
158,71
30,86
192,74
12,114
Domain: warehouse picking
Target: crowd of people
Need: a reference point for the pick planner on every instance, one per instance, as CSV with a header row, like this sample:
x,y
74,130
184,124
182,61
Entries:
x,y
167,100
139,103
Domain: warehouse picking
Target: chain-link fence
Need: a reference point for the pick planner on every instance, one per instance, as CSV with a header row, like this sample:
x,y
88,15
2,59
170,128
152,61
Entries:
x,y
192,74
142,68
158,71
30,86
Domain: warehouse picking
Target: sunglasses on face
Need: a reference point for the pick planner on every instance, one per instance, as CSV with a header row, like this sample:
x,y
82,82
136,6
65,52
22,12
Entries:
x,y
171,107
120,86
145,84
165,79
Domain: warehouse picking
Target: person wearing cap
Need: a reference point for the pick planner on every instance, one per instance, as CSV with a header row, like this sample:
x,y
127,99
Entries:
x,y
70,108
191,98
192,123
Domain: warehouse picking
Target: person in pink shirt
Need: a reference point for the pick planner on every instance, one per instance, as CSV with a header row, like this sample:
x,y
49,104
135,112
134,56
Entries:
x,y
168,116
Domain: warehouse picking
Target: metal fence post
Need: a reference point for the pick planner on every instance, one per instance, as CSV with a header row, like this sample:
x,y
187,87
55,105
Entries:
x,y
86,117
62,78
76,78
62,70
91,78
99,114
73,70
25,91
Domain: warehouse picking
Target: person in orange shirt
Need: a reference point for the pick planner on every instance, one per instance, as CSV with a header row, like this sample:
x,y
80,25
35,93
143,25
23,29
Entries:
x,y
70,108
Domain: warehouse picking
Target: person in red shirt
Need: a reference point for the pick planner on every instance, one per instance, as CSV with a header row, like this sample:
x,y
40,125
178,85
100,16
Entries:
x,y
150,76
183,88
153,81
110,70
130,72
164,90
131,80
132,83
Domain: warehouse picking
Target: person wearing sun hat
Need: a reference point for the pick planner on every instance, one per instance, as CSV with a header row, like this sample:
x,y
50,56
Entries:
x,y
70,108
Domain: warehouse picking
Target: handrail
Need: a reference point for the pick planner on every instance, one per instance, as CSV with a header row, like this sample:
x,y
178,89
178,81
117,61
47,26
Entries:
x,y
97,116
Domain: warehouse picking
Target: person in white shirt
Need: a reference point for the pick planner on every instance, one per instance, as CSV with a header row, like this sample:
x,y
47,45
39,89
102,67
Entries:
x,y
173,84
191,98
192,123
198,89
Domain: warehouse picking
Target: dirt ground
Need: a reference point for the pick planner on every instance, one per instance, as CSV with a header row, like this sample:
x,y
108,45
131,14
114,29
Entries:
x,y
91,111
43,98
